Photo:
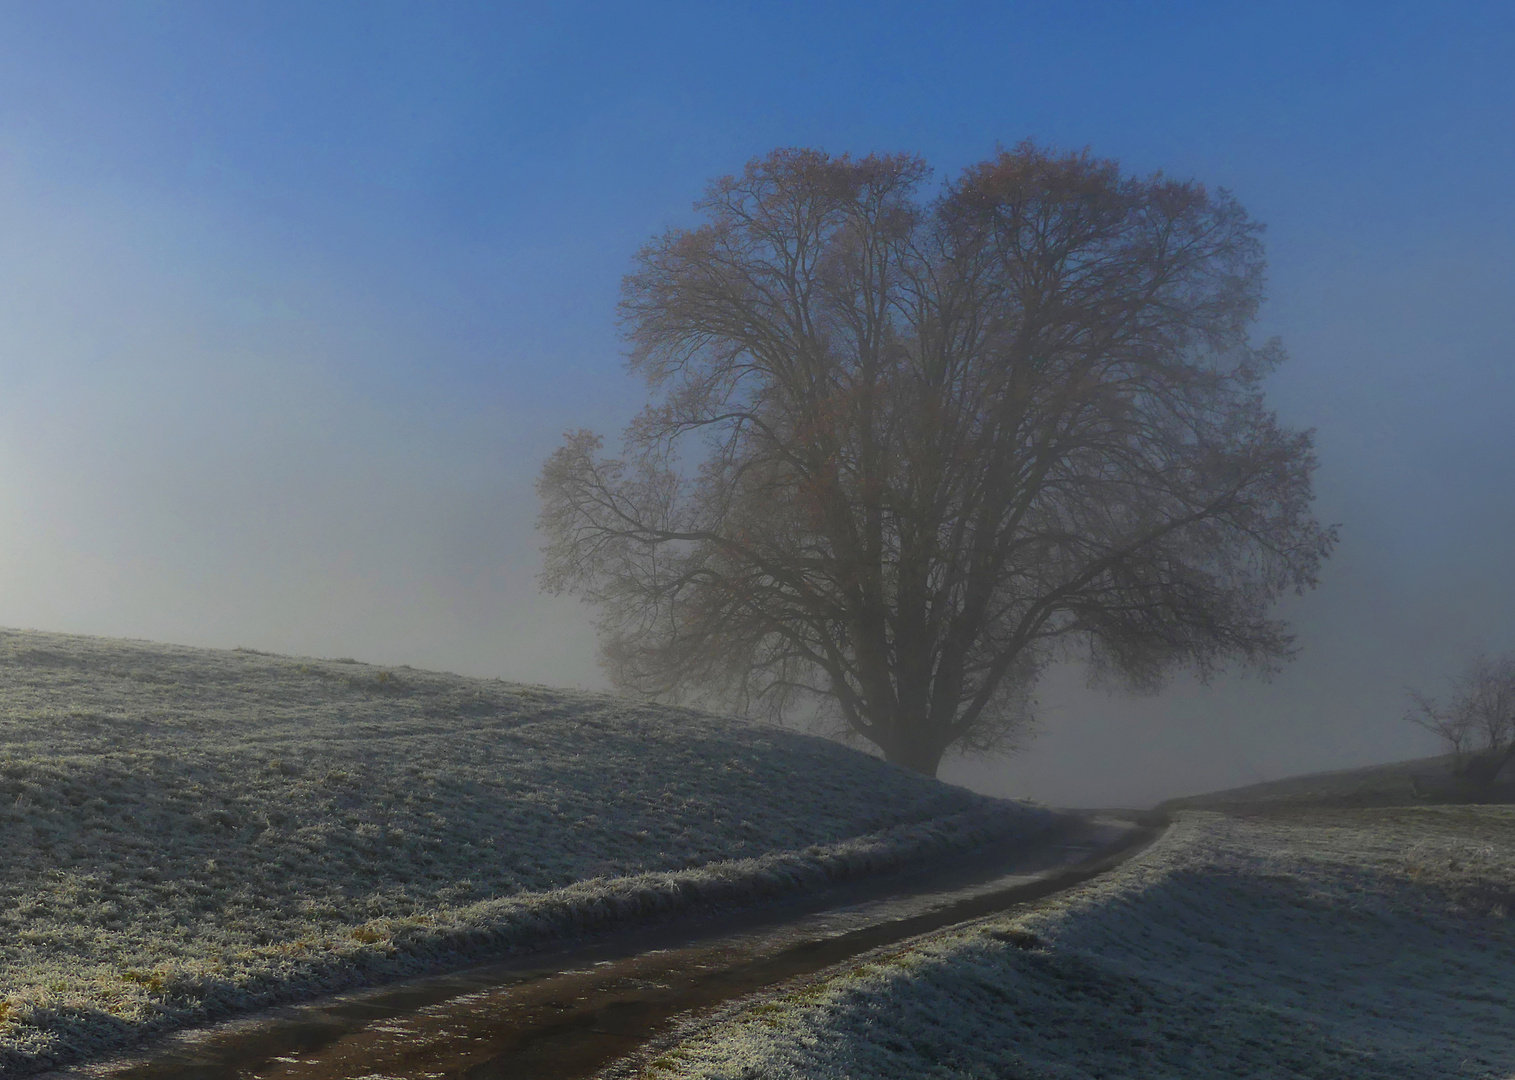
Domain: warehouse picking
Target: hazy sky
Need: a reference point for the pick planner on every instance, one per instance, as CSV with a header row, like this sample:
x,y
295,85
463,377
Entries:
x,y
294,299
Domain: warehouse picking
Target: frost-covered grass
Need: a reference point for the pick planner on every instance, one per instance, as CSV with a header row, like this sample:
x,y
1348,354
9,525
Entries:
x,y
1356,944
188,832
1421,782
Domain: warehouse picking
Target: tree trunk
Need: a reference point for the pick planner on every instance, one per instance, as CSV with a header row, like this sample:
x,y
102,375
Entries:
x,y
915,753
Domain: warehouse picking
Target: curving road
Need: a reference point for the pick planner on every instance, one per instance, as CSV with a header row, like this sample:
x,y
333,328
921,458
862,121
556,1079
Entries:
x,y
574,1012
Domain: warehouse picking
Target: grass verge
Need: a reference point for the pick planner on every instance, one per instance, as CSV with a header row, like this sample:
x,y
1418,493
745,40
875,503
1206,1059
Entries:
x,y
1359,944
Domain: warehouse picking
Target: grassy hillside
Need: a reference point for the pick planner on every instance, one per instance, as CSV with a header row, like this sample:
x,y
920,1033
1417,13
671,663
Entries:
x,y
1420,782
186,832
1353,944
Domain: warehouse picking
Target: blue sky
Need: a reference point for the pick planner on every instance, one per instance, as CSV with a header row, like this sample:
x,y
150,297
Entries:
x,y
294,298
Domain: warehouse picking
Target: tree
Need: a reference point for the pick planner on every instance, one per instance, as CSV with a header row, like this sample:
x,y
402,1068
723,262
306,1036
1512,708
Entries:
x,y
903,452
1477,724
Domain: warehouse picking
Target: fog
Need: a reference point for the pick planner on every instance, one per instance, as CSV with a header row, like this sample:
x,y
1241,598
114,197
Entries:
x,y
293,304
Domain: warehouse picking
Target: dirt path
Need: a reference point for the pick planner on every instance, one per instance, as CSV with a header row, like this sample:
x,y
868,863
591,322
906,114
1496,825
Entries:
x,y
572,1013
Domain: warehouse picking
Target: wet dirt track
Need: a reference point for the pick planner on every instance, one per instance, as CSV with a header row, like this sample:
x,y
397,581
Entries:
x,y
574,1012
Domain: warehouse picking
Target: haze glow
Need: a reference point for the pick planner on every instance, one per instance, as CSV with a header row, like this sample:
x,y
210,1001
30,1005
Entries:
x,y
294,300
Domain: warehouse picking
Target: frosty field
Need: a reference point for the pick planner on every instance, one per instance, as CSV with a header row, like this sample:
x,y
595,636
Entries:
x,y
1355,944
185,833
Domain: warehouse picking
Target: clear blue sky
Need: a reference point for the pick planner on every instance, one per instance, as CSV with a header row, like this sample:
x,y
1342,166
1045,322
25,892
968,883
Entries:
x,y
295,297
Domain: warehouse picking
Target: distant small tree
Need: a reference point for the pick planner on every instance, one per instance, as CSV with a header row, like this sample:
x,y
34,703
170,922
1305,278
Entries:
x,y
1477,721
902,450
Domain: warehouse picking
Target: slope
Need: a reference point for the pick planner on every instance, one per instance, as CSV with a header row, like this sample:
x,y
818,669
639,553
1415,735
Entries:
x,y
186,832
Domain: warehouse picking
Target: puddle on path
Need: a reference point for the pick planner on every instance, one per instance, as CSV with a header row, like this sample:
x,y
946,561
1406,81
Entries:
x,y
574,1012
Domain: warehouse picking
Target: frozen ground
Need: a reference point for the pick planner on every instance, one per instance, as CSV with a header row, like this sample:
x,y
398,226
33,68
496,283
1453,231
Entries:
x,y
1352,944
186,832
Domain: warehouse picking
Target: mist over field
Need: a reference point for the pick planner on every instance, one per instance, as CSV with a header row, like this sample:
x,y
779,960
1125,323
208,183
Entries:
x,y
295,301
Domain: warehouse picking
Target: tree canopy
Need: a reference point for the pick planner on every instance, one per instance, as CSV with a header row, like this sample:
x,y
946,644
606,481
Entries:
x,y
904,448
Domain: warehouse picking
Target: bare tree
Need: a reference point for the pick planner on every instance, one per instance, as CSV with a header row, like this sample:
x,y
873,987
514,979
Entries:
x,y
1477,723
901,452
